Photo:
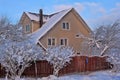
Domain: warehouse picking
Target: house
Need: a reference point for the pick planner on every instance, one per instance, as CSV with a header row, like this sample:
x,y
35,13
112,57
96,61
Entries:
x,y
61,28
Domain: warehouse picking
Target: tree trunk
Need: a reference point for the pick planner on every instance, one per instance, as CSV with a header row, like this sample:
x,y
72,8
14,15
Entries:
x,y
55,72
104,50
6,77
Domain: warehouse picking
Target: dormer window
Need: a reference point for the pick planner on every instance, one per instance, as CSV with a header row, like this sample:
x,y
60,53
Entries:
x,y
66,26
27,28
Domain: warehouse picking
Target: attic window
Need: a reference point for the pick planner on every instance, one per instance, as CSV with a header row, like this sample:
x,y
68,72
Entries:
x,y
66,26
27,28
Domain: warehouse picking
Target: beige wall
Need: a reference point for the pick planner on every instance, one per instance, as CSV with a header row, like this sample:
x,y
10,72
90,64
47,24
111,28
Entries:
x,y
35,26
25,21
75,27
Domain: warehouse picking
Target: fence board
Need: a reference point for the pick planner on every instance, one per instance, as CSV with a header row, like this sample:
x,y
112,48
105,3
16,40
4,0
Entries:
x,y
77,64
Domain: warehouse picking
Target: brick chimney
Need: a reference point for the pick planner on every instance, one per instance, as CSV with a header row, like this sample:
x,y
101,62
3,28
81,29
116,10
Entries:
x,y
40,18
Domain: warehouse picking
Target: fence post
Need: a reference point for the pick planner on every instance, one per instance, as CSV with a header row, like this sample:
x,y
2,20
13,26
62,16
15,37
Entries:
x,y
35,69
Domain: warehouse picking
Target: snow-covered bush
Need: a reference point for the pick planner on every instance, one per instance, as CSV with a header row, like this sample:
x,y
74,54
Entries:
x,y
59,56
18,56
16,50
114,58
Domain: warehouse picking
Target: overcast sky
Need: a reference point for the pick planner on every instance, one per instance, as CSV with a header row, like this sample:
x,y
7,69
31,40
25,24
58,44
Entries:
x,y
94,12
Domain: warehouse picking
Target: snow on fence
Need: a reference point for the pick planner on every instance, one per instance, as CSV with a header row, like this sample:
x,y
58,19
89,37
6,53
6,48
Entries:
x,y
78,64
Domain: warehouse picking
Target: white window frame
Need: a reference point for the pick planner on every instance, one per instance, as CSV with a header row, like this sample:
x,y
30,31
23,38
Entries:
x,y
64,44
51,43
66,27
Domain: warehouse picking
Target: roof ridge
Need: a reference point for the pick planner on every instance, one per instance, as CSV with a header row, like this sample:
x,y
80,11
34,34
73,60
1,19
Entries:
x,y
61,11
35,13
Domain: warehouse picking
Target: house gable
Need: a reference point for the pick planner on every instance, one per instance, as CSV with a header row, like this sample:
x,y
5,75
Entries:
x,y
48,25
31,20
24,18
76,27
24,21
82,21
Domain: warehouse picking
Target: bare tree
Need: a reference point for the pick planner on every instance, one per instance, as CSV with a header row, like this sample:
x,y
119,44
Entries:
x,y
59,57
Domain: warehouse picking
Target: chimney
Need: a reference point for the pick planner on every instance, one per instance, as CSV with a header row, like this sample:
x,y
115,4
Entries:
x,y
40,18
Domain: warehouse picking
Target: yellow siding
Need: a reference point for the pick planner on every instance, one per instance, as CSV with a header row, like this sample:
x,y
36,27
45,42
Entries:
x,y
35,26
57,32
25,21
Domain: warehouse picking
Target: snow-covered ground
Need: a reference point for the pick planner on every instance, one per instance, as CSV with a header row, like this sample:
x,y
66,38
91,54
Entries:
x,y
93,76
101,75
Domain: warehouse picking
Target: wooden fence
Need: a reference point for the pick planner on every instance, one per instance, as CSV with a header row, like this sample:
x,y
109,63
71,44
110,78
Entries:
x,y
78,64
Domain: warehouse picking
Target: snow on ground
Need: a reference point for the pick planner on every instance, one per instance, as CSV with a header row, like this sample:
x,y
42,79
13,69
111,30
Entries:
x,y
101,75
92,76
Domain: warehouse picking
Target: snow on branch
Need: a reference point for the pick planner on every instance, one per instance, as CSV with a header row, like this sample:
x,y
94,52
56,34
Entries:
x,y
16,50
59,56
103,39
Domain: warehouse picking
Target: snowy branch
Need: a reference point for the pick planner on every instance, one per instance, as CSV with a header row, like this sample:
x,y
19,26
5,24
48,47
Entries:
x,y
59,57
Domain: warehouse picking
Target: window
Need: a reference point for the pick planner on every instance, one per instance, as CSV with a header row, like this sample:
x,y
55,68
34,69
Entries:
x,y
51,41
66,26
27,28
64,42
79,35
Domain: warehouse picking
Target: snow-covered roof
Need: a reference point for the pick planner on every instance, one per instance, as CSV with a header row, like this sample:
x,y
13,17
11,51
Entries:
x,y
35,16
32,16
48,25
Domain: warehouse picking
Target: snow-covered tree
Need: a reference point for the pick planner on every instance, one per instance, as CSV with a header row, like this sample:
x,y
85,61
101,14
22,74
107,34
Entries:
x,y
16,50
59,56
105,41
18,56
4,28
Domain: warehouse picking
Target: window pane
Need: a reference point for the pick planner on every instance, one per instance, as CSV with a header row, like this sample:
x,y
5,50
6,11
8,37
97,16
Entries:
x,y
27,28
49,41
67,25
65,41
61,42
63,25
53,41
